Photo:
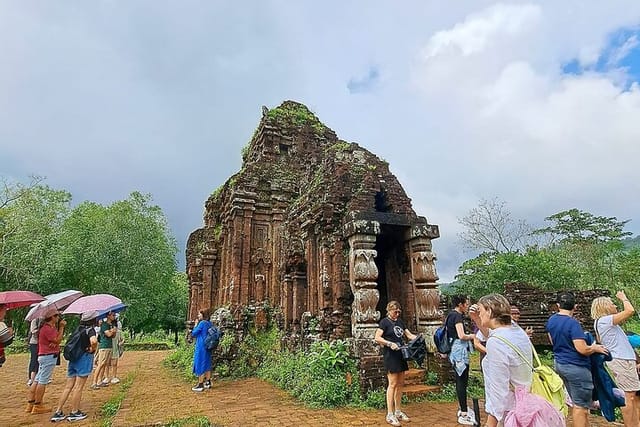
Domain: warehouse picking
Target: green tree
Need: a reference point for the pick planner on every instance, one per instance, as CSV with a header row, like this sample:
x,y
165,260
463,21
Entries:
x,y
584,252
30,219
124,249
175,299
576,226
539,266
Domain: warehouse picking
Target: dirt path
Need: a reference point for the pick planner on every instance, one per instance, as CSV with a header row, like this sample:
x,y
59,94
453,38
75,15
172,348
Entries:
x,y
156,396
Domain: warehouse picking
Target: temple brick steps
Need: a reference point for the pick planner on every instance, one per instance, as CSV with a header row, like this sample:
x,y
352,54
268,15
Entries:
x,y
414,385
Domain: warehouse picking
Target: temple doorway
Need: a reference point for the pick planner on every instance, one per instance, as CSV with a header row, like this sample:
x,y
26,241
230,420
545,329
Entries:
x,y
390,247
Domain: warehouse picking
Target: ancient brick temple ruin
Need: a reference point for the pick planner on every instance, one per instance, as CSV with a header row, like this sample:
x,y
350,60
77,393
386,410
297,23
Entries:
x,y
320,228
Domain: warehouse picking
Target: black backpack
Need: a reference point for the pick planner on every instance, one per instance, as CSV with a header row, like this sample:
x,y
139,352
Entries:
x,y
415,349
73,349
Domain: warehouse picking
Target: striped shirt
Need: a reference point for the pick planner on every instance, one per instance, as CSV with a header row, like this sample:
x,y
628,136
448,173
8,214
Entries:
x,y
5,333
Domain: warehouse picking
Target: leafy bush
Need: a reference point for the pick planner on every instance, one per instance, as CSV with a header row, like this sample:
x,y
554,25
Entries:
x,y
324,377
447,393
181,360
242,359
376,399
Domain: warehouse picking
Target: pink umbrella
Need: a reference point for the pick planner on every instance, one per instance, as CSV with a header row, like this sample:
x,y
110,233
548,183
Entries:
x,y
16,299
52,304
92,302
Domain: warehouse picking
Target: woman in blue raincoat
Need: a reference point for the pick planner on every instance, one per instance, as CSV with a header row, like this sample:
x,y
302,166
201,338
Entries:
x,y
202,356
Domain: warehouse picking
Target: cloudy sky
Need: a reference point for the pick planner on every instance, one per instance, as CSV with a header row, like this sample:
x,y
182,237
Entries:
x,y
537,104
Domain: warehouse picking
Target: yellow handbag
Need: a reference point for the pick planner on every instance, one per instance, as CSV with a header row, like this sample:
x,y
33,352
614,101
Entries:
x,y
545,382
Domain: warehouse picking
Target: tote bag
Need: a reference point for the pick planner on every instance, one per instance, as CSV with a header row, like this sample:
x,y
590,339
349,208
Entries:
x,y
545,382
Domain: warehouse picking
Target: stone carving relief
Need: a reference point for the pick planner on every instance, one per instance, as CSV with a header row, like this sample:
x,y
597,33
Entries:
x,y
364,268
424,268
428,302
364,304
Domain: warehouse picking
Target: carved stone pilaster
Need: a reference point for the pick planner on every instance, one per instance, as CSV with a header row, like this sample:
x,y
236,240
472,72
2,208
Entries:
x,y
288,300
423,267
427,300
363,274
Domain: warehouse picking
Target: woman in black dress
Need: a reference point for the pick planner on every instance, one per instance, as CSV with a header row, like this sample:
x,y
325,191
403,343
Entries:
x,y
389,335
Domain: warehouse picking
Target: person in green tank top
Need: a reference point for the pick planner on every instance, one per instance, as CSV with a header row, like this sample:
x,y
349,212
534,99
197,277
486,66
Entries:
x,y
107,332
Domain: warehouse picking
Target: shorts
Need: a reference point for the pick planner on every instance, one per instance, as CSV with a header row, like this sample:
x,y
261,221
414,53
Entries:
x,y
625,374
578,381
393,361
46,364
104,356
115,352
81,367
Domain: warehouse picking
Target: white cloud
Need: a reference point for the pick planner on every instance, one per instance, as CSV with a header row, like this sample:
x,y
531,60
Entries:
x,y
623,51
527,133
481,31
470,101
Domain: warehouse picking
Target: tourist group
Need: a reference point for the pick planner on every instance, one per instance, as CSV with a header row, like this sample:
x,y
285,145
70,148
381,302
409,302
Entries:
x,y
94,346
595,371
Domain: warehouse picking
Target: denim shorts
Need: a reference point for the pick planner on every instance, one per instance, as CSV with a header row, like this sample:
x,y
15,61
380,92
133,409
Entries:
x,y
578,381
45,370
81,367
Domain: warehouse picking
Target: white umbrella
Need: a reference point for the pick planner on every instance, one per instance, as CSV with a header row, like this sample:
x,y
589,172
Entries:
x,y
52,304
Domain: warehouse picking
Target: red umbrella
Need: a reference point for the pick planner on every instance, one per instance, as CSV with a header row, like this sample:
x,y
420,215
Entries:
x,y
16,299
92,302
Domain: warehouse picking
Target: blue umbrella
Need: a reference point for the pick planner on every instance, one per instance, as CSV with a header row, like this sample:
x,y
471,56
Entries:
x,y
117,308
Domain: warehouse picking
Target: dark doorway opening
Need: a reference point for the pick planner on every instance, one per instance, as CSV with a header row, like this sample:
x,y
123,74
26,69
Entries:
x,y
389,247
381,202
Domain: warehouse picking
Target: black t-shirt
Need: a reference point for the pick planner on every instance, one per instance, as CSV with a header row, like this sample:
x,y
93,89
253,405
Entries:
x,y
85,338
454,318
392,331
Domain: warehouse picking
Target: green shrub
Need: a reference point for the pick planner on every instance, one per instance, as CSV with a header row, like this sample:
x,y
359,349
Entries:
x,y
251,352
325,377
376,399
432,378
181,360
447,393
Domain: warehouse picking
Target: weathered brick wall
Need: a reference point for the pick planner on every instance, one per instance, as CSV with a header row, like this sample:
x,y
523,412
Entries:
x,y
537,305
273,231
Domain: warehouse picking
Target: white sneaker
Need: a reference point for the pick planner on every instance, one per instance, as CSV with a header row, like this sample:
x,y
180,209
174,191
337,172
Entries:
x,y
469,412
115,380
401,416
472,415
391,419
467,420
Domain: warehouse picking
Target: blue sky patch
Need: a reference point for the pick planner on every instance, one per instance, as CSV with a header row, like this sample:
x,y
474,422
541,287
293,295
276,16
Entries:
x,y
622,51
365,83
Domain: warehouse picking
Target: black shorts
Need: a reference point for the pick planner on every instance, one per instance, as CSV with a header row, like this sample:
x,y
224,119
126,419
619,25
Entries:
x,y
393,361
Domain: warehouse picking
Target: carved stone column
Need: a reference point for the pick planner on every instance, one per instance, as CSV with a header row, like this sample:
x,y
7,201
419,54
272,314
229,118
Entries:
x,y
300,290
424,276
195,289
209,280
259,287
363,274
287,301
